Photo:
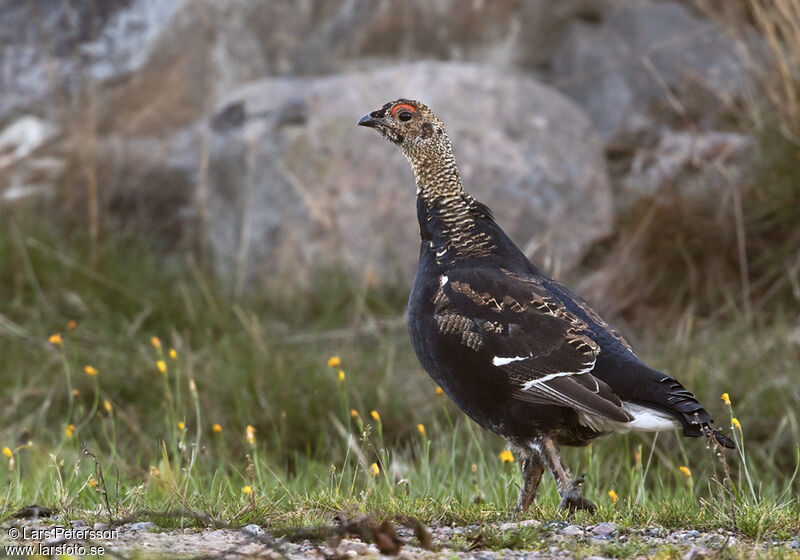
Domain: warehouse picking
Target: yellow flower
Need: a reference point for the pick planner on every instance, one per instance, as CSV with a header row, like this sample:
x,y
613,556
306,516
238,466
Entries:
x,y
506,456
162,366
92,482
56,340
613,496
69,430
375,415
181,426
376,470
173,353
686,472
156,342
7,452
341,375
354,413
736,424
421,429
334,361
726,398
247,490
71,324
90,371
75,392
439,390
107,405
216,428
251,434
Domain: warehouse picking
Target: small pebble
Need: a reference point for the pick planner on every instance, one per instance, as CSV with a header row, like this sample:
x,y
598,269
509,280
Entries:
x,y
572,531
605,529
520,524
254,530
142,526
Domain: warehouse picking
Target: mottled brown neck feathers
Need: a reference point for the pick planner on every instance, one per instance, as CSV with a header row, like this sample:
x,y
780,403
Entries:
x,y
453,213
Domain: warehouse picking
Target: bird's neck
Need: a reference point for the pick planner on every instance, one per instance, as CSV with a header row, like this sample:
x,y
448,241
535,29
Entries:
x,y
452,223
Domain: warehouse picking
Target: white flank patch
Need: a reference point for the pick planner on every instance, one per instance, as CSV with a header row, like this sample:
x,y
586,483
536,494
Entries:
x,y
644,420
649,419
443,280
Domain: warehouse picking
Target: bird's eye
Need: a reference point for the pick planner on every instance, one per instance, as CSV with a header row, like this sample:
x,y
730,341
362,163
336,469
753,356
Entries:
x,y
404,116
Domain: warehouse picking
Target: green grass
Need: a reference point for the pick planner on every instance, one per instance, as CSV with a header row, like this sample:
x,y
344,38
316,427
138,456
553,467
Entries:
x,y
263,362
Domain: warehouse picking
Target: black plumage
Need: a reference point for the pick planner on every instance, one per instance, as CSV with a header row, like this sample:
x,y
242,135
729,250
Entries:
x,y
518,352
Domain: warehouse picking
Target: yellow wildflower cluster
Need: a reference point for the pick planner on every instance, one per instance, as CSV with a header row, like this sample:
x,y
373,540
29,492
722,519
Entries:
x,y
181,426
90,371
726,399
216,428
69,430
56,340
334,362
7,452
375,415
376,470
250,433
156,342
162,366
613,496
247,490
421,429
173,353
686,472
439,390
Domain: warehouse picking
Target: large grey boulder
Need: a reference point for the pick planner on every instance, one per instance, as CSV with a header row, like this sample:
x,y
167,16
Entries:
x,y
293,184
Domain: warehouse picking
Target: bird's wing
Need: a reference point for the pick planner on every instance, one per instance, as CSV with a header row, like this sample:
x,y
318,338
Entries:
x,y
545,351
590,313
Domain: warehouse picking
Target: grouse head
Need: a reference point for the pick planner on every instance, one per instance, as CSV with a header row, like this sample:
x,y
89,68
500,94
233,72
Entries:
x,y
421,136
410,125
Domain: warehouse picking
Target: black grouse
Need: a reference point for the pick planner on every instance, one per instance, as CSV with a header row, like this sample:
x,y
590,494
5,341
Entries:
x,y
518,352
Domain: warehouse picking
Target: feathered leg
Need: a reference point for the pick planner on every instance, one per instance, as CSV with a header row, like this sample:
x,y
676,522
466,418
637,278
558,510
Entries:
x,y
532,469
570,490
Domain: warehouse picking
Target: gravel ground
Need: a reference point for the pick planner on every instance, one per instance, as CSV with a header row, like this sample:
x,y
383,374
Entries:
x,y
556,540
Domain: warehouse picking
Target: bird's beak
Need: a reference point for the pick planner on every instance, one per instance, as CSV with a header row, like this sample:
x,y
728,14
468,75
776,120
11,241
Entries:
x,y
369,120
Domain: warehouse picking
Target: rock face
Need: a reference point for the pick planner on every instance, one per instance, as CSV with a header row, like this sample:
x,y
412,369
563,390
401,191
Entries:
x,y
48,47
292,182
639,62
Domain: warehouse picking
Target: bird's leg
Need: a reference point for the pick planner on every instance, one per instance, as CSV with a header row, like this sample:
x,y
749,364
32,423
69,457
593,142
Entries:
x,y
532,469
570,490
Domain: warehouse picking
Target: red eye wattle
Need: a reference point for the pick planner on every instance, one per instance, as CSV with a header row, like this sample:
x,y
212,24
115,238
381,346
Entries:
x,y
398,108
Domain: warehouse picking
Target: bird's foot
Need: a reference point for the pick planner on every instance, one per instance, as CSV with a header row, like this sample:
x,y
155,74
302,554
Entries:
x,y
572,499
